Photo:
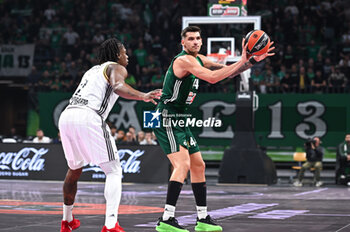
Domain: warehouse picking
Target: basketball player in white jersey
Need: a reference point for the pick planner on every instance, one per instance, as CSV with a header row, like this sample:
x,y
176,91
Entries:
x,y
86,138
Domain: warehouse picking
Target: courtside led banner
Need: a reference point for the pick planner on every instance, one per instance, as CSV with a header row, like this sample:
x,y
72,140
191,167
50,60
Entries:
x,y
143,164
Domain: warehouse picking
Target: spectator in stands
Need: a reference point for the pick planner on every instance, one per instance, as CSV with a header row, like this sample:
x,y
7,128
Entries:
x,y
141,55
120,136
271,81
303,81
157,80
312,50
56,42
318,83
40,137
289,57
70,38
327,67
145,79
48,67
67,81
33,79
336,81
346,37
294,75
114,132
13,135
132,130
310,74
46,81
343,162
148,139
129,139
287,84
72,69
153,65
301,63
50,12
314,156
57,140
344,64
258,81
56,85
98,38
154,137
282,72
318,64
140,136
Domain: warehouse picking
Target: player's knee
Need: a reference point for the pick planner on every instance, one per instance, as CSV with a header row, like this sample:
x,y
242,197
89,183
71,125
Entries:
x,y
183,166
111,167
198,167
187,165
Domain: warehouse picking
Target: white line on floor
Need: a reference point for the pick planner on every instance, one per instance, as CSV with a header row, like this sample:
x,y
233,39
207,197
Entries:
x,y
308,192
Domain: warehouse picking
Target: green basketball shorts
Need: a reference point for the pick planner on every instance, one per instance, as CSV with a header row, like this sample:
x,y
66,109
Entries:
x,y
172,134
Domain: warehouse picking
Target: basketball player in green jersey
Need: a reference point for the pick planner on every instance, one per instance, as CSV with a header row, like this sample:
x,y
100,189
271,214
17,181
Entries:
x,y
179,90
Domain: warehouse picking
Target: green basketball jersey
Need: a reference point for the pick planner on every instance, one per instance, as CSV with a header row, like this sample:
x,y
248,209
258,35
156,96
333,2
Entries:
x,y
178,93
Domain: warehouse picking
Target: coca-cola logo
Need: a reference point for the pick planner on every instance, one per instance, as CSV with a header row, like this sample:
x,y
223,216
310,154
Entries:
x,y
130,164
28,158
128,161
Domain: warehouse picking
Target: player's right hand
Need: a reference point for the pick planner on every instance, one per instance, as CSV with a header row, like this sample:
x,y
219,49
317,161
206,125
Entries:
x,y
154,94
268,53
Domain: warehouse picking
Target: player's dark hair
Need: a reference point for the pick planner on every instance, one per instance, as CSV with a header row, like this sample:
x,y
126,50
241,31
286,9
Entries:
x,y
190,29
109,50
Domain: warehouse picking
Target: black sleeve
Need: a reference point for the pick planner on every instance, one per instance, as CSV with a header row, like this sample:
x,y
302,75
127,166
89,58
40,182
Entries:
x,y
311,155
319,153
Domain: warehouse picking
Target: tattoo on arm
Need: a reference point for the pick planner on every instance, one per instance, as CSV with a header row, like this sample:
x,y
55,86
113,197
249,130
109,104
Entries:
x,y
215,67
244,67
132,94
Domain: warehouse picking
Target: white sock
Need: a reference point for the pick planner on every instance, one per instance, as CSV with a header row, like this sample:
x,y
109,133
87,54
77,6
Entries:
x,y
169,211
202,212
113,193
67,213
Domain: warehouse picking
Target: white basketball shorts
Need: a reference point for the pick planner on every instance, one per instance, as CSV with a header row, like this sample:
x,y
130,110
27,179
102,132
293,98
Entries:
x,y
86,138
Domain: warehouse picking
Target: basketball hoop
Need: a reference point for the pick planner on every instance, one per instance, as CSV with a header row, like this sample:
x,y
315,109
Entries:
x,y
218,58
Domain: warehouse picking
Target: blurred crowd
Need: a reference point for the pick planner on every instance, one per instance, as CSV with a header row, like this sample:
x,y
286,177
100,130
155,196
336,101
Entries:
x,y
312,41
121,137
312,46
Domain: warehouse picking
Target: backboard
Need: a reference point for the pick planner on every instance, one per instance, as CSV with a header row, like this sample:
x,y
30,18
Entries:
x,y
223,32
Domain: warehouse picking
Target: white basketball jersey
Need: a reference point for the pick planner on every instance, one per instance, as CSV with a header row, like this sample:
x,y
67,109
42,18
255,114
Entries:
x,y
95,92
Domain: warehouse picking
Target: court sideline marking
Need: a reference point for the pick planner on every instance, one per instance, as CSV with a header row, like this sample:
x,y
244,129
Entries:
x,y
308,192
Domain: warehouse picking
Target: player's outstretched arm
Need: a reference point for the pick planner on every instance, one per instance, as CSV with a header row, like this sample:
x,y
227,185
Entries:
x,y
117,74
184,65
188,64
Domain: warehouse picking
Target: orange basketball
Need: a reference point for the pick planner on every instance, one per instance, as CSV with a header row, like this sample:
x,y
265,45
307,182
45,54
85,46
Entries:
x,y
258,42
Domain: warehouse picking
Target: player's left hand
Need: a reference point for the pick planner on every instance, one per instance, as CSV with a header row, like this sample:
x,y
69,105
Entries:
x,y
154,94
267,54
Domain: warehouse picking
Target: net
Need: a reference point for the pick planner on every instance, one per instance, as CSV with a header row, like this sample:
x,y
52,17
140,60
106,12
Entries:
x,y
218,58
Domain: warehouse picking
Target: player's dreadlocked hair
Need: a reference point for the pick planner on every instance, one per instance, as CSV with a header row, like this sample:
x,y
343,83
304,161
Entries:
x,y
109,50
